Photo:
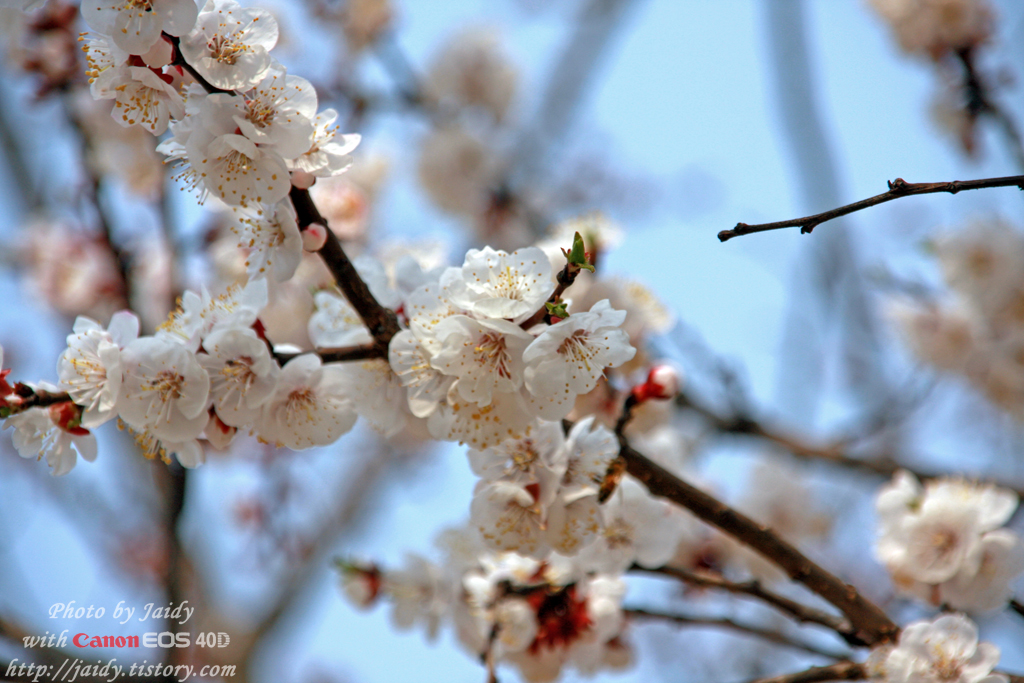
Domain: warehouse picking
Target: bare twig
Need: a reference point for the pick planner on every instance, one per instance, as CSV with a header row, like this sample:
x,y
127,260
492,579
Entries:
x,y
34,398
565,278
840,671
897,188
1017,606
870,623
770,635
980,102
798,611
834,453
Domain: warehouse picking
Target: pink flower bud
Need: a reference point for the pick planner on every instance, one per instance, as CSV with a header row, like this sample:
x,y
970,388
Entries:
x,y
314,237
303,180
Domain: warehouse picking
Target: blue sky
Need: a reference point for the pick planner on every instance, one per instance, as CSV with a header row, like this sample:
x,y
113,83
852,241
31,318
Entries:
x,y
685,99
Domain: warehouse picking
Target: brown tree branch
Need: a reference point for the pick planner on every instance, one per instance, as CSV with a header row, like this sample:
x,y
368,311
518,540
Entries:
x,y
897,188
175,483
732,625
382,322
753,589
1017,606
840,671
870,623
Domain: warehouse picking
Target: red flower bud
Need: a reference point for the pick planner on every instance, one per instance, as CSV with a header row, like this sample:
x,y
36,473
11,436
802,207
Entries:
x,y
662,383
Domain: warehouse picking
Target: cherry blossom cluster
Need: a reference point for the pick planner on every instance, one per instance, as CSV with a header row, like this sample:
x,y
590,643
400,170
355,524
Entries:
x,y
937,651
205,373
246,142
539,615
540,493
945,544
979,333
476,362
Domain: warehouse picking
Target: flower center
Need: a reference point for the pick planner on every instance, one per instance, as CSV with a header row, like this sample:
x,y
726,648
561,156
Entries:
x,y
225,49
168,384
260,113
947,668
524,456
618,534
300,400
507,284
491,351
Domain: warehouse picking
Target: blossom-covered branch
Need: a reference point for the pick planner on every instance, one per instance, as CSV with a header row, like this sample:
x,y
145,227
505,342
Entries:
x,y
381,322
897,188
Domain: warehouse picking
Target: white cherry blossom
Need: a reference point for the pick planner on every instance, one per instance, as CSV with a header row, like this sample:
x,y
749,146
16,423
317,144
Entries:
x,y
135,25
537,456
90,369
230,44
495,284
942,541
188,451
202,314
381,396
990,586
311,406
276,114
509,517
515,623
335,322
485,355
106,65
506,416
418,593
36,435
635,527
591,448
574,520
272,240
237,170
425,386
147,99
945,650
242,374
574,353
164,391
330,152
